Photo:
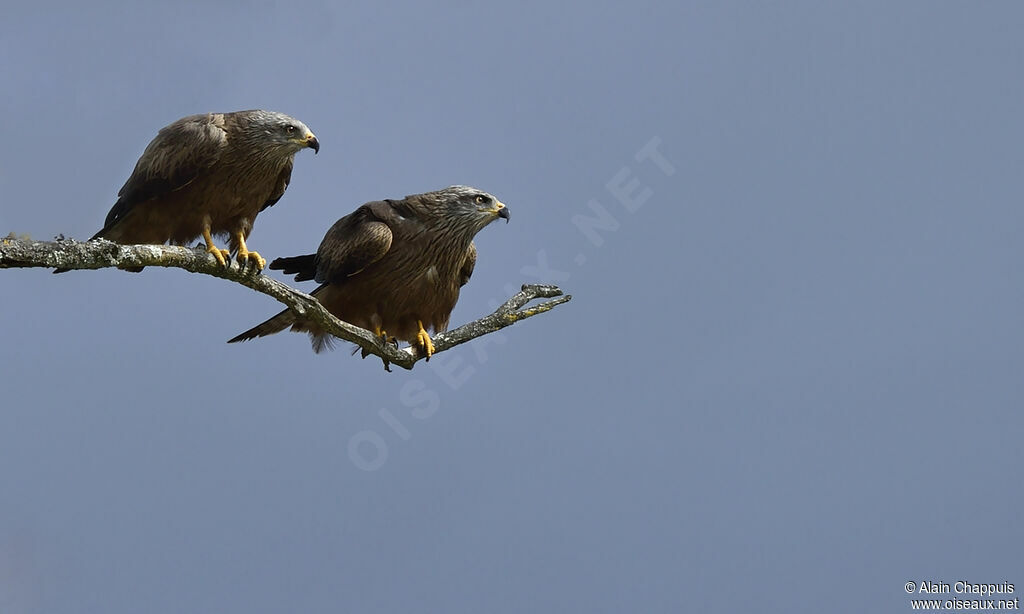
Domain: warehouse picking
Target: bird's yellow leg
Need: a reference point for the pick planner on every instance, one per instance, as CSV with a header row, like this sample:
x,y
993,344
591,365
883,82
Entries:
x,y
220,254
244,255
423,340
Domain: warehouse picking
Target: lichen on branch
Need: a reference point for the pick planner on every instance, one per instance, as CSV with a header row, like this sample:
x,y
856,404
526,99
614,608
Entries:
x,y
21,252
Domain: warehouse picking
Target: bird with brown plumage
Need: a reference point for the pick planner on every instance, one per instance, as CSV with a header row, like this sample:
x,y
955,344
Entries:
x,y
393,267
206,175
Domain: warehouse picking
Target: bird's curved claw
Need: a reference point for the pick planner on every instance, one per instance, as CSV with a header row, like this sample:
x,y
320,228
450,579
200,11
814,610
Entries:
x,y
387,364
383,336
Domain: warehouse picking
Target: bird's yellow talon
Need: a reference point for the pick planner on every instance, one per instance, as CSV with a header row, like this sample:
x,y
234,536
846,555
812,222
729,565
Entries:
x,y
244,257
423,341
220,254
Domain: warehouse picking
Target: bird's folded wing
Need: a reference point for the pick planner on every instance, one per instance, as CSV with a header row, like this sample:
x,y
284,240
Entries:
x,y
353,243
178,154
468,265
282,184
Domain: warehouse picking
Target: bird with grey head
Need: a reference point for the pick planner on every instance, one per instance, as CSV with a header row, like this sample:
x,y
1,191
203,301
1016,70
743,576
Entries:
x,y
208,174
394,266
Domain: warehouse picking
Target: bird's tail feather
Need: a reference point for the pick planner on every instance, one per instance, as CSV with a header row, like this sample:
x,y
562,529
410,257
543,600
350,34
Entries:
x,y
275,324
282,321
303,267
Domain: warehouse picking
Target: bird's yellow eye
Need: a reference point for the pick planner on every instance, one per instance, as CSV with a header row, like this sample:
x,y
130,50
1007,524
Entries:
x,y
481,200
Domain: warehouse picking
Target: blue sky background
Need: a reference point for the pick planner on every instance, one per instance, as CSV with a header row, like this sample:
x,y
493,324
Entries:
x,y
789,381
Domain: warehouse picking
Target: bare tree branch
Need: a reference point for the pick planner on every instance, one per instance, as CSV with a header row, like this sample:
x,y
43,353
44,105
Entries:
x,y
99,254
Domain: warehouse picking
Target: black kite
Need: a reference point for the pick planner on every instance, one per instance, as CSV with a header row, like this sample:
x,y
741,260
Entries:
x,y
393,266
208,174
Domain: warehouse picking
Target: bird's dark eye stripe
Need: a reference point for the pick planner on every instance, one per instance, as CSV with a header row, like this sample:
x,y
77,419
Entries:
x,y
483,200
290,128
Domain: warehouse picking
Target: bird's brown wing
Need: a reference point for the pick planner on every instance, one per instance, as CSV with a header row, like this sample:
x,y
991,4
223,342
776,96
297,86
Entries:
x,y
468,265
355,242
179,153
282,184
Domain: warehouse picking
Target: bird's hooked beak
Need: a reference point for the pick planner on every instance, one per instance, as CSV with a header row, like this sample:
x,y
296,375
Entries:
x,y
312,143
499,210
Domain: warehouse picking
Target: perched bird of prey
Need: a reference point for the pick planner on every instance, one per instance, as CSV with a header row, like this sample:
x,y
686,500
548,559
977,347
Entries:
x,y
208,175
392,266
